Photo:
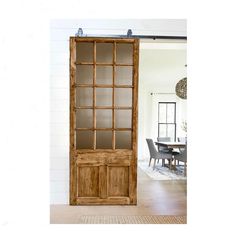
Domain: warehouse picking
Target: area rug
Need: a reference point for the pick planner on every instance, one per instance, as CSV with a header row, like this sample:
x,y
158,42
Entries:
x,y
147,219
161,173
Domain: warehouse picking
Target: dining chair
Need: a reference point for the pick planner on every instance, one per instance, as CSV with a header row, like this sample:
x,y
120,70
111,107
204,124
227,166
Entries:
x,y
182,157
156,155
182,139
163,148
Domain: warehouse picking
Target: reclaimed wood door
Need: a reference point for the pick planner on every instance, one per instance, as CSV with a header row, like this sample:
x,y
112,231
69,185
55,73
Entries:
x,y
103,120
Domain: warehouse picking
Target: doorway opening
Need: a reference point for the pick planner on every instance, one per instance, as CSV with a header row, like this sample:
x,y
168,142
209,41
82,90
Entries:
x,y
162,113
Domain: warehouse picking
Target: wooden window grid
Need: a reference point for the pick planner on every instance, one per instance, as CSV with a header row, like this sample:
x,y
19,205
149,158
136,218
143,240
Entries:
x,y
112,86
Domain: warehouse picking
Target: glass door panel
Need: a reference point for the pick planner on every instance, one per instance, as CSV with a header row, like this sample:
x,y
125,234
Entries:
x,y
104,75
104,118
124,75
123,118
84,139
123,140
104,139
84,118
84,96
124,53
103,96
84,74
123,97
84,52
104,53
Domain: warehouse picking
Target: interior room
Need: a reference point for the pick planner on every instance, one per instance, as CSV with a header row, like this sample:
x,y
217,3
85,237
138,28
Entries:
x,y
162,65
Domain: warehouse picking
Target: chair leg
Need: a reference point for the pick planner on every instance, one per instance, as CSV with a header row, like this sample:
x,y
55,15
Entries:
x,y
163,162
150,162
154,164
174,167
185,169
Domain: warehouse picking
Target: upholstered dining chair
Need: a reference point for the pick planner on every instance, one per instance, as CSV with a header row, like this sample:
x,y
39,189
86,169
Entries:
x,y
184,140
163,148
154,154
182,157
181,139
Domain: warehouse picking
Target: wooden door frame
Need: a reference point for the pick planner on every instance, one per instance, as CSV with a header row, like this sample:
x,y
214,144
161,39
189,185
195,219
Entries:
x,y
73,152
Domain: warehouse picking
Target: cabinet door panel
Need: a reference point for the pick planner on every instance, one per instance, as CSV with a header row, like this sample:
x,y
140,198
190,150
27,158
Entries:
x,y
88,179
118,181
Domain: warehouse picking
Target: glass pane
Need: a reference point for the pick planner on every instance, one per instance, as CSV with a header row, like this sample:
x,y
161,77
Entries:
x,y
124,75
123,139
104,75
84,118
104,140
162,130
84,139
84,74
124,53
84,52
123,97
84,97
104,53
171,132
104,118
123,118
103,96
162,113
170,113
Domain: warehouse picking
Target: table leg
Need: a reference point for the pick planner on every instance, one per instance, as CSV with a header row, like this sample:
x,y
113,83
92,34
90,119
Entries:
x,y
173,167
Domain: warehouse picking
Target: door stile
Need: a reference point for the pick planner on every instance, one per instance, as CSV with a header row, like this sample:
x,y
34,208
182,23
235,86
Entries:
x,y
72,121
133,167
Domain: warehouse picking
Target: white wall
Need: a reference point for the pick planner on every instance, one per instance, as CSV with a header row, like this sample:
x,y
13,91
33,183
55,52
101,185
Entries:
x,y
61,30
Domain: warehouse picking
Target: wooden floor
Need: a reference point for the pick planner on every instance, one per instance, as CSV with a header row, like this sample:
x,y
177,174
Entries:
x,y
154,198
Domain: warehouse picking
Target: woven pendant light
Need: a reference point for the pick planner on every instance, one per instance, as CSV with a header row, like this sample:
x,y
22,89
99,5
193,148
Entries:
x,y
181,88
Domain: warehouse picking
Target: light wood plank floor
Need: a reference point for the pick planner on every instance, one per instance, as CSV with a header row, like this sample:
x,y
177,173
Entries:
x,y
154,198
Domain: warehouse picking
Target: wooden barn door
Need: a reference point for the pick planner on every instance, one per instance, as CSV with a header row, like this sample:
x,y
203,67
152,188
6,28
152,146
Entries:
x,y
103,120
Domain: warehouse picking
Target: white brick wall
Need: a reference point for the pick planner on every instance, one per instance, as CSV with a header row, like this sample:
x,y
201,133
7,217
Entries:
x,y
61,30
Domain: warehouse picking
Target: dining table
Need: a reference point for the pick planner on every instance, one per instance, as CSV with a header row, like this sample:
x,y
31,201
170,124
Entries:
x,y
171,144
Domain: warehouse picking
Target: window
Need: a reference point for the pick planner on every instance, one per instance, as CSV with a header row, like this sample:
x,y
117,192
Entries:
x,y
167,120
